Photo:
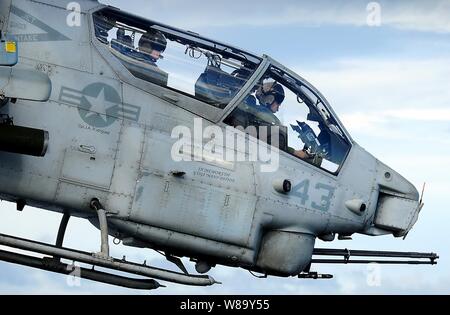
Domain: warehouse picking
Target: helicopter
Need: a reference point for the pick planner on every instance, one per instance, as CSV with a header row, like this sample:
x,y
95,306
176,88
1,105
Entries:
x,y
168,140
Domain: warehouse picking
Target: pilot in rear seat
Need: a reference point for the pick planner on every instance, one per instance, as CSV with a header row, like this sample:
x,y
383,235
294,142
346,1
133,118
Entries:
x,y
152,44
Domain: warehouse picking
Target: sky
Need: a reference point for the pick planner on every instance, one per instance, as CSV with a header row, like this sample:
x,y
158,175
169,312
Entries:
x,y
389,85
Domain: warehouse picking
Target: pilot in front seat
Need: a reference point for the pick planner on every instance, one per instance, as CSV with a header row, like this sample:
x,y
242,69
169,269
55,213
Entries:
x,y
270,96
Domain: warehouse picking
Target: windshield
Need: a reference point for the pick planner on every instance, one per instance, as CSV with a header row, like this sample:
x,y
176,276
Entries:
x,y
182,61
307,130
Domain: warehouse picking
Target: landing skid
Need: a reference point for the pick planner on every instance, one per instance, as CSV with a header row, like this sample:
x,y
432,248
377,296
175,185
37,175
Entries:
x,y
101,259
53,264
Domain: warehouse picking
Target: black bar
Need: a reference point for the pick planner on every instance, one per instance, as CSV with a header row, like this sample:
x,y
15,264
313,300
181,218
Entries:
x,y
220,304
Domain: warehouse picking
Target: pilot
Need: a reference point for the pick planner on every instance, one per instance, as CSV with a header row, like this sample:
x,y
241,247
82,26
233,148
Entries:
x,y
153,44
270,96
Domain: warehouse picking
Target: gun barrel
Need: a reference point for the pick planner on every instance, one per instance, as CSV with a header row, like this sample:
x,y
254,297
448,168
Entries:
x,y
23,140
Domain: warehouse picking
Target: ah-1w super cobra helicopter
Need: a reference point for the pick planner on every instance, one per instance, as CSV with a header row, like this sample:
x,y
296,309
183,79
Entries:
x,y
87,130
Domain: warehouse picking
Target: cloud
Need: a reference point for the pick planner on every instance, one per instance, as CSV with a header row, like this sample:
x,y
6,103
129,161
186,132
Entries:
x,y
378,122
419,15
429,114
412,15
372,95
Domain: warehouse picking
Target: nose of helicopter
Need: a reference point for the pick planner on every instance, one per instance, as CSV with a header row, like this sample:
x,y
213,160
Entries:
x,y
399,202
389,179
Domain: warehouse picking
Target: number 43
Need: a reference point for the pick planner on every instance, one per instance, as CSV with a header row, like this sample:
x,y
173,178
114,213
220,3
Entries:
x,y
301,191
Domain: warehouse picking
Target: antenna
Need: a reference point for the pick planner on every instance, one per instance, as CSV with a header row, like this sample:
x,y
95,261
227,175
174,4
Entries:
x,y
423,192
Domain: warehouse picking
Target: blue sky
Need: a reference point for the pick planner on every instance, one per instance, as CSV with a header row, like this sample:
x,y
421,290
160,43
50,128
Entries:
x,y
388,84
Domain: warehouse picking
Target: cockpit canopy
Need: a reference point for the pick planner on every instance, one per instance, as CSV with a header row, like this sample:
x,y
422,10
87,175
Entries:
x,y
176,59
214,73
304,126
